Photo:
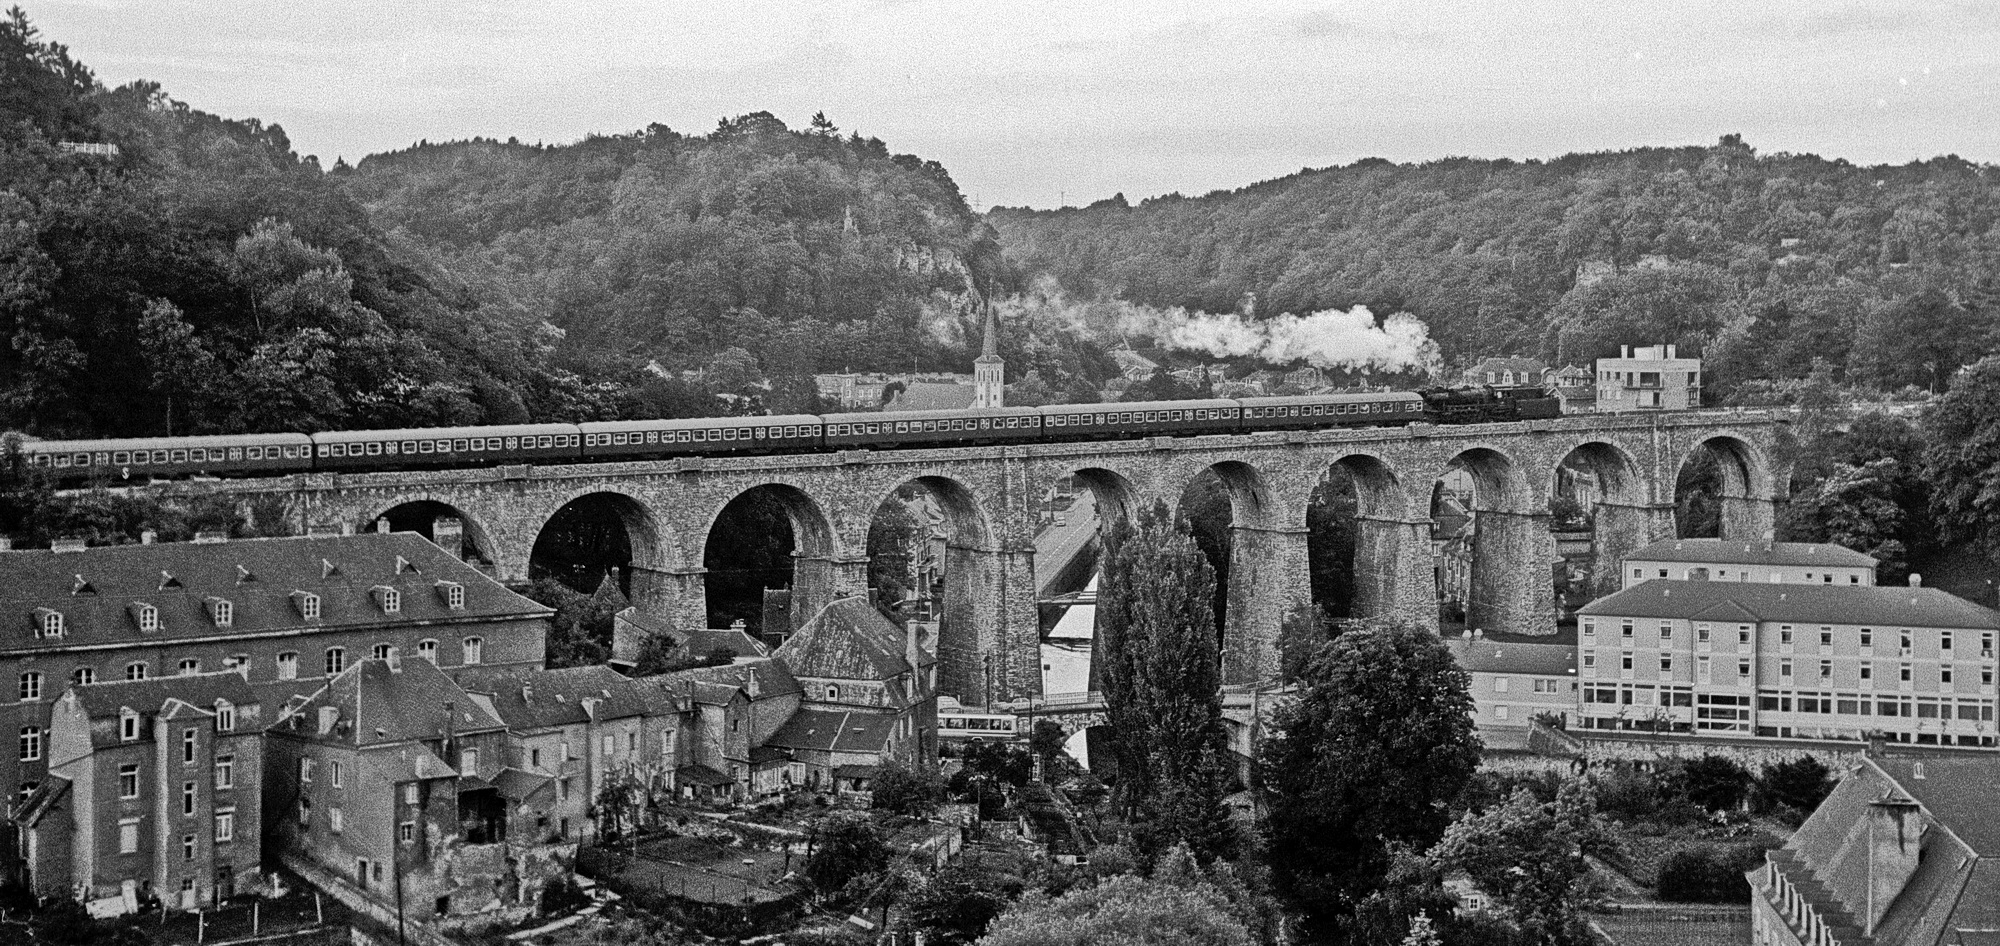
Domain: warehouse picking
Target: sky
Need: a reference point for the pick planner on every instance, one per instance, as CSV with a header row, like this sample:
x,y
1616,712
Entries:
x,y
1044,103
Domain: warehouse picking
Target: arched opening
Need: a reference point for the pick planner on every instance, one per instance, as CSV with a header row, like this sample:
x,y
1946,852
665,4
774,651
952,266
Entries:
x,y
1226,510
442,523
1599,512
1495,561
769,561
932,560
1355,524
1722,490
1073,512
594,537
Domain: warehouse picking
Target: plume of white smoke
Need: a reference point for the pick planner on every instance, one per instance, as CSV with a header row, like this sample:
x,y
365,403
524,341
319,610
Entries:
x,y
1327,339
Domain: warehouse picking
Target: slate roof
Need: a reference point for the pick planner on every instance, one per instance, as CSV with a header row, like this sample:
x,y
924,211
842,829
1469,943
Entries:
x,y
847,640
1955,891
1738,552
700,641
95,588
931,396
41,801
385,706
1526,370
1491,656
827,731
544,699
703,775
104,700
1796,603
519,786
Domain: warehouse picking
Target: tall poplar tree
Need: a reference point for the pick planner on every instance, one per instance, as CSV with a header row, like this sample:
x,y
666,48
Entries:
x,y
1161,663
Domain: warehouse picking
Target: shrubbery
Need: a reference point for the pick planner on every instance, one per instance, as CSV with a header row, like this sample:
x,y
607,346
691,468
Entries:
x,y
1708,873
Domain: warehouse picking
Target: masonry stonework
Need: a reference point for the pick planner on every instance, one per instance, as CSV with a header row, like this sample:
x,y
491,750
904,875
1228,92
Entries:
x,y
989,497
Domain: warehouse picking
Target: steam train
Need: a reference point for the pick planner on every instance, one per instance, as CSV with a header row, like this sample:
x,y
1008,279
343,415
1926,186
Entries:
x,y
277,454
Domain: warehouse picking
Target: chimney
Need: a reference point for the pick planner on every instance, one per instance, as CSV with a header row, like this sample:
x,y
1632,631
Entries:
x,y
68,545
740,625
6,544
395,660
750,687
148,537
448,533
1895,834
1670,351
211,537
527,692
1916,580
328,715
1624,351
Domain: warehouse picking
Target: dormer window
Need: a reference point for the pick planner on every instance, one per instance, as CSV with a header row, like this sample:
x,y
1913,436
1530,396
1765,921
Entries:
x,y
388,599
145,615
225,716
307,604
48,623
453,595
222,611
128,725
403,565
832,692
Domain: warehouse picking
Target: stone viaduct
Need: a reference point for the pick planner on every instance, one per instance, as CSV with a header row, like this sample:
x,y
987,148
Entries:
x,y
989,495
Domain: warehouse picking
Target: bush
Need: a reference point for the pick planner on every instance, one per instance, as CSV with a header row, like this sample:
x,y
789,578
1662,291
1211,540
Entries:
x,y
1799,785
1716,783
1707,873
901,789
847,846
563,896
1626,794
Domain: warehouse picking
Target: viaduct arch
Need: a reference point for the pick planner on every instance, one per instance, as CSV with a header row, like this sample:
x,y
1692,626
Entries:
x,y
989,495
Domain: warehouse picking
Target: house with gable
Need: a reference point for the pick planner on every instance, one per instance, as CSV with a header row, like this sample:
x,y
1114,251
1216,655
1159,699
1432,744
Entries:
x,y
571,733
722,718
869,696
153,791
392,781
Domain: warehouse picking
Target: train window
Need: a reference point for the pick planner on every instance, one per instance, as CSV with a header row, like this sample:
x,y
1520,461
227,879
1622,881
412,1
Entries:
x,y
460,445
874,428
789,431
757,433
618,440
424,446
374,448
122,457
698,435
442,446
729,433
179,456
652,436
682,437
235,453
291,453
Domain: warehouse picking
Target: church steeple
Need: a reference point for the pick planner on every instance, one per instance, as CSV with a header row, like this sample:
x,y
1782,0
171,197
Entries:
x,y
989,371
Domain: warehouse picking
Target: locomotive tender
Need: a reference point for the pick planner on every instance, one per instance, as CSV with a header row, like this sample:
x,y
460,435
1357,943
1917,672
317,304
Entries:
x,y
358,450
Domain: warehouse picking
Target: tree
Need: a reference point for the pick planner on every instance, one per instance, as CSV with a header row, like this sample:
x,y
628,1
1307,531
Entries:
x,y
1368,753
845,847
1794,785
1122,909
903,789
1962,456
1530,856
1716,783
1162,684
957,904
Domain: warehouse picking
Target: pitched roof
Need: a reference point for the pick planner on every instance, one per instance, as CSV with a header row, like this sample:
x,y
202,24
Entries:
x,y
540,699
698,641
846,640
41,801
698,774
104,700
1739,552
827,731
1797,603
1489,656
520,786
931,396
380,706
95,589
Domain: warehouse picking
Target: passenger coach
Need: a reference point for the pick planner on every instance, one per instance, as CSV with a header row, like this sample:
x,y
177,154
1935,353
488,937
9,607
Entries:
x,y
240,454
700,436
445,446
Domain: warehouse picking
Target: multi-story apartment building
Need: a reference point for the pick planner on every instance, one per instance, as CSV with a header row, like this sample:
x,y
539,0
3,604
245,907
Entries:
x,y
571,734
1899,855
153,790
394,779
1797,563
289,613
1816,661
1517,677
1652,378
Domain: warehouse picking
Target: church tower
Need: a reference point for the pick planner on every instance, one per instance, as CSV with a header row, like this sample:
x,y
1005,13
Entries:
x,y
989,386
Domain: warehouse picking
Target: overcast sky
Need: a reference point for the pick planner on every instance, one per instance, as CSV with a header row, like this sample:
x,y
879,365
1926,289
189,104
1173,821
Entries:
x,y
1031,102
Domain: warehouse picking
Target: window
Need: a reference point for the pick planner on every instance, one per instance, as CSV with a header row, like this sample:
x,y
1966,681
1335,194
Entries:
x,y
1903,673
190,666
1867,637
1867,673
1743,669
534,758
336,660
236,662
468,761
51,624
128,780
1785,634
1742,635
475,648
1666,664
288,665
832,692
1826,670
1701,671
1666,632
1903,643
189,738
1589,628
1826,637
1785,669
334,821
147,616
83,676
1589,661
1701,633
1625,662
1944,641
128,725
221,611
333,773
409,793
225,824
1500,712
307,603
128,835
31,687
1944,675
383,651
389,599
187,853
306,771
31,743
1625,630
428,650
135,670
225,771
187,798
453,594
407,832
225,716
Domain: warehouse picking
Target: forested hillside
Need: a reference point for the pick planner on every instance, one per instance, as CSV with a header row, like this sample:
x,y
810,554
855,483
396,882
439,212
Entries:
x,y
809,249
1762,263
206,278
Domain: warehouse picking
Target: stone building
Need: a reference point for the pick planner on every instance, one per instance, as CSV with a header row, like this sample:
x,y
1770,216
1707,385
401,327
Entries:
x,y
869,696
1899,855
1505,372
1733,560
1806,661
1653,378
395,781
571,734
288,613
632,629
153,790
720,719
989,370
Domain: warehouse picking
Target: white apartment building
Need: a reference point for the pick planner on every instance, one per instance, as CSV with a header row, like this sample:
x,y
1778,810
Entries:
x,y
1653,378
1516,677
1913,665
1817,563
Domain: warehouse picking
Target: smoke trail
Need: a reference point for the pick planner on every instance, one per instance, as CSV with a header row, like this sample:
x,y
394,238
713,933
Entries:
x,y
1328,339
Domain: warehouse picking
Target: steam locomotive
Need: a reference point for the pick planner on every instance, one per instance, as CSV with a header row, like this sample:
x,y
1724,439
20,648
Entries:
x,y
277,454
